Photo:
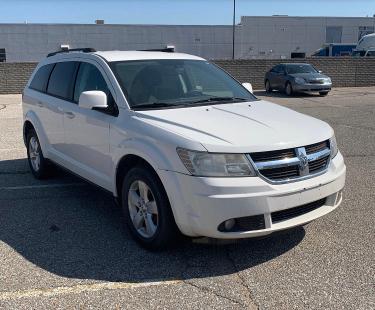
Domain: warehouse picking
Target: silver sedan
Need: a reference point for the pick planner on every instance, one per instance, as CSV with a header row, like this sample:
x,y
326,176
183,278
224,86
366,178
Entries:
x,y
297,77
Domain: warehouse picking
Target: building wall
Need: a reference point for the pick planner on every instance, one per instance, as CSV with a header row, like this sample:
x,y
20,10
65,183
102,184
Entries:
x,y
256,37
278,36
31,42
345,72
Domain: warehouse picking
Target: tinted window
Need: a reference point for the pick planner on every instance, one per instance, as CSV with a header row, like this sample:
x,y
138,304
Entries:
x,y
278,69
89,78
40,79
62,80
301,68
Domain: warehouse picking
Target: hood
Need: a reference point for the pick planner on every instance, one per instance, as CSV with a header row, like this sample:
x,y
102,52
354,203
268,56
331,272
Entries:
x,y
240,127
310,76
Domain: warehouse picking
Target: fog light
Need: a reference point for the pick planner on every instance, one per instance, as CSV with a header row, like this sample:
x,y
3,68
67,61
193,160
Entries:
x,y
229,224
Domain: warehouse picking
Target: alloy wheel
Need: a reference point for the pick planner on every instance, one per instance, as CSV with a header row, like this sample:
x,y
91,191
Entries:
x,y
143,209
34,153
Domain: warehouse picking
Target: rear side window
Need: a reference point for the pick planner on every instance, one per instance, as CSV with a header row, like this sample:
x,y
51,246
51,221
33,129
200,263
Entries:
x,y
62,79
89,78
41,77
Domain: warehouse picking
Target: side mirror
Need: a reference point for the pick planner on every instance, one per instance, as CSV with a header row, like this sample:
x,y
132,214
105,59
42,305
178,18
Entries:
x,y
320,71
93,99
248,86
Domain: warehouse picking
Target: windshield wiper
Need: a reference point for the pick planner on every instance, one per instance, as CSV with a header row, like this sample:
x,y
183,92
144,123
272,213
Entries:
x,y
171,105
218,99
154,105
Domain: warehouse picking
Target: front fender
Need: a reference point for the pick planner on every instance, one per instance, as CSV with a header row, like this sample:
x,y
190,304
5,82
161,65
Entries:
x,y
160,158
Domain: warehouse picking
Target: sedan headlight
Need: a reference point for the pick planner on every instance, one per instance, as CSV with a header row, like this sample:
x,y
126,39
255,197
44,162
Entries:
x,y
333,146
206,164
328,80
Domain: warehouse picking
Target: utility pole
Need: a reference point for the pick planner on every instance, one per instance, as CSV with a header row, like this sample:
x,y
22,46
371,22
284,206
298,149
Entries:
x,y
234,27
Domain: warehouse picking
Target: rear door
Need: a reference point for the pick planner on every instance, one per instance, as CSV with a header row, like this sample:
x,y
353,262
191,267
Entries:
x,y
87,141
59,94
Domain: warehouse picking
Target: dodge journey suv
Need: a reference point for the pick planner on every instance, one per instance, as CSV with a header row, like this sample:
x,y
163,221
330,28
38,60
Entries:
x,y
182,146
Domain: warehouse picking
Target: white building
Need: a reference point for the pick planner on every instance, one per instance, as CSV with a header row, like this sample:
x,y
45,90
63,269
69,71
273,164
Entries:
x,y
256,37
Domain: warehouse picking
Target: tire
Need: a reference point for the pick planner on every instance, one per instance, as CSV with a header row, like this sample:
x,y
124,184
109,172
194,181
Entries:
x,y
39,166
147,211
323,93
268,86
288,89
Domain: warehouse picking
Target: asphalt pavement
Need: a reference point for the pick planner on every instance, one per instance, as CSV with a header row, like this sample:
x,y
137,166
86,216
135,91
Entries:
x,y
63,244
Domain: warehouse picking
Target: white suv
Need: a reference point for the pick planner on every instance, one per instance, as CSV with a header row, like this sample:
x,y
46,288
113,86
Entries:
x,y
182,145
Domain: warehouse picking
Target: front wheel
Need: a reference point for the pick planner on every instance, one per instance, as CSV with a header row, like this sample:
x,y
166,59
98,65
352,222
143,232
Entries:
x,y
288,89
147,210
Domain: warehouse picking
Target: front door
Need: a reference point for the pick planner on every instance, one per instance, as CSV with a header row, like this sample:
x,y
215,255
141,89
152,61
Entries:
x,y
87,141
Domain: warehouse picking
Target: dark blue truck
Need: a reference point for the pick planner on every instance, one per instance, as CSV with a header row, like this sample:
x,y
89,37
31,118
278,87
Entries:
x,y
335,50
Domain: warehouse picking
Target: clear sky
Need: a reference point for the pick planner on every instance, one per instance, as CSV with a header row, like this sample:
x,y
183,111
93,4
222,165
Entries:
x,y
171,11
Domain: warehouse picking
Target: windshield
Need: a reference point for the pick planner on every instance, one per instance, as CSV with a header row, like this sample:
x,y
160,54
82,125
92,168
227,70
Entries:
x,y
293,69
171,83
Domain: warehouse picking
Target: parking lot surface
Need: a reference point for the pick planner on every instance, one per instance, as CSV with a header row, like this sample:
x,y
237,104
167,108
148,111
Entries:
x,y
63,243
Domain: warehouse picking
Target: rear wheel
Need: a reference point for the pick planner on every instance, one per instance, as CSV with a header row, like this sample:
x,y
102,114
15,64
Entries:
x,y
268,86
147,210
323,93
288,89
39,166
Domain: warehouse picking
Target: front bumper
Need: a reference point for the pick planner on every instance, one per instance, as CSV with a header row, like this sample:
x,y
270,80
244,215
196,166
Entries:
x,y
200,205
312,87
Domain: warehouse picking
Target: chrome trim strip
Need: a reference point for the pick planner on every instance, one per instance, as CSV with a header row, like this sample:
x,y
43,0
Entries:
x,y
294,161
318,155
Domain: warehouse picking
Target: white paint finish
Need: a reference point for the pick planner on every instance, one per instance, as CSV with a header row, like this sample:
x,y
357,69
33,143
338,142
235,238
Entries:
x,y
92,99
137,55
249,126
48,112
95,142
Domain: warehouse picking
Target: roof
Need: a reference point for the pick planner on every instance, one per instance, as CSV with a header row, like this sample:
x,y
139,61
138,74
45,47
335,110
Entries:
x,y
142,55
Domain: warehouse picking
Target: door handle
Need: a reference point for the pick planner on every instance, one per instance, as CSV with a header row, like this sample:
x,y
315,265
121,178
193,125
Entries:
x,y
69,114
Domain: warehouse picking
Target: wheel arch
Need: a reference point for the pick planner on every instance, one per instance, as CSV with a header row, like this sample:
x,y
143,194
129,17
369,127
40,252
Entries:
x,y
31,121
124,165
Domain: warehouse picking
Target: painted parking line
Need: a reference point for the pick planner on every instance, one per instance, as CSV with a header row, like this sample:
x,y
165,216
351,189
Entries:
x,y
82,288
12,188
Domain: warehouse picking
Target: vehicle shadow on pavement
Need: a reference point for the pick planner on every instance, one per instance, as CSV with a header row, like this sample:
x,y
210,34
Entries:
x,y
75,230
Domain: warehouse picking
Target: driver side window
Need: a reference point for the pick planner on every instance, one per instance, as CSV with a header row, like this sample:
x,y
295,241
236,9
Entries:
x,y
90,78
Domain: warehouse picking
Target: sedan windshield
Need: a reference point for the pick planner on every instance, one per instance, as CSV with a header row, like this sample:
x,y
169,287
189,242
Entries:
x,y
300,68
170,83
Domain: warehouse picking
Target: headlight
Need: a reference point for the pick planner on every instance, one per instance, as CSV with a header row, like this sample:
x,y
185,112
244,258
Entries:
x,y
333,146
215,164
300,80
328,80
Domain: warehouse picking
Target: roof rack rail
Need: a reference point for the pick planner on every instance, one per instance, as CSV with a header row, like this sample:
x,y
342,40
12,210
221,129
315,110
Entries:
x,y
83,50
168,49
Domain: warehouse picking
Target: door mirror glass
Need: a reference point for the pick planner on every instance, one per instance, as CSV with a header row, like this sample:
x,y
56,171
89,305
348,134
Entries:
x,y
248,86
93,99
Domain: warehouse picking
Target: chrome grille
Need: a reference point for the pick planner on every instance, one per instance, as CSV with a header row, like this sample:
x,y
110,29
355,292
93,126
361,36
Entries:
x,y
316,81
292,164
